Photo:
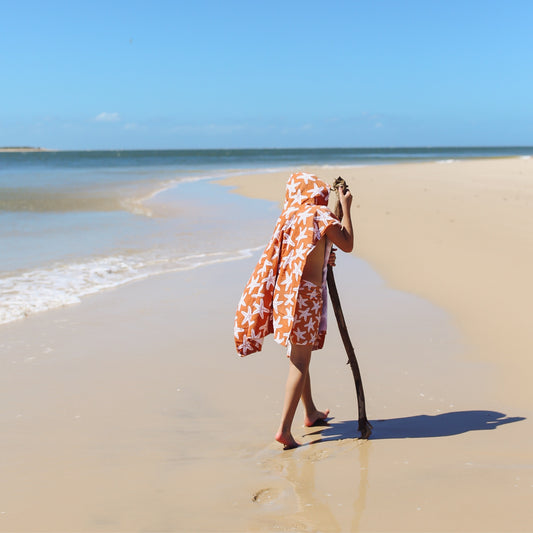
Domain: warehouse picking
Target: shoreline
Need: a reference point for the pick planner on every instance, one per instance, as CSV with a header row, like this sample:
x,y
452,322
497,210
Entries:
x,y
65,280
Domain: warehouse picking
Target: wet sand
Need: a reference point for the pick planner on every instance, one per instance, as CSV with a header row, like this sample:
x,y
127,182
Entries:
x,y
132,411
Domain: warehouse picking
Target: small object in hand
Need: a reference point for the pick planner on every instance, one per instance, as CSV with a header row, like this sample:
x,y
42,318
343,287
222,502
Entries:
x,y
339,183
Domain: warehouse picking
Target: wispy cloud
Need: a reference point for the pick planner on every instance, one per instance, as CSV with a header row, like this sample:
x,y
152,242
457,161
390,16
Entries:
x,y
107,117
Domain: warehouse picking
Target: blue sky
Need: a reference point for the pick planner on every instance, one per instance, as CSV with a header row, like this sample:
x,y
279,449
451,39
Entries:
x,y
230,74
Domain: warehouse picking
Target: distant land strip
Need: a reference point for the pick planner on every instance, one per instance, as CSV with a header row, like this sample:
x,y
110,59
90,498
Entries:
x,y
23,149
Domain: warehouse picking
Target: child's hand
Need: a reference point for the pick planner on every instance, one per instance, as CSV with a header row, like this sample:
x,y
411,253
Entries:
x,y
332,258
345,198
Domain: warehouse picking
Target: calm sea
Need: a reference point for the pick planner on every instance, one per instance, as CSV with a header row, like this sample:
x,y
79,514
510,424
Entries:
x,y
76,223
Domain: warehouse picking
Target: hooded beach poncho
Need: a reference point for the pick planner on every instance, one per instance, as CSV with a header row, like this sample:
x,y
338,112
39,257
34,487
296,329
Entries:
x,y
268,302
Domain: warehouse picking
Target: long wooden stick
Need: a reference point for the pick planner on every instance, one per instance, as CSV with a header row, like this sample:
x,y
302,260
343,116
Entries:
x,y
364,425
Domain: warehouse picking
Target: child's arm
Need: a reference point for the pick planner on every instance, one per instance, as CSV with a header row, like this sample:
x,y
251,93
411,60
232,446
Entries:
x,y
343,236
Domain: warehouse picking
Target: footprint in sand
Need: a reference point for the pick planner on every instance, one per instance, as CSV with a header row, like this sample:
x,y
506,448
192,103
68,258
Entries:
x,y
265,496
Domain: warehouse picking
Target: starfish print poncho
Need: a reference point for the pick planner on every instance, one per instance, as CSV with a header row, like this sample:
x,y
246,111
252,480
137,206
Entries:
x,y
268,302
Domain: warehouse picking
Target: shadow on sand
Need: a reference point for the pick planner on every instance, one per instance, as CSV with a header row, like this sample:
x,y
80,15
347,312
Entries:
x,y
420,426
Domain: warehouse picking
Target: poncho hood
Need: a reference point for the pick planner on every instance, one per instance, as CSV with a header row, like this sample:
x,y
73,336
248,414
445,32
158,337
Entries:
x,y
304,190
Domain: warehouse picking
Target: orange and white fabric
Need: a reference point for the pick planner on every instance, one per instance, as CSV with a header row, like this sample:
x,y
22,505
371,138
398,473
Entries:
x,y
307,315
268,303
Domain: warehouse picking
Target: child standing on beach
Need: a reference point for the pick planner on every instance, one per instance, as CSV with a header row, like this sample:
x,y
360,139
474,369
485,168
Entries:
x,y
287,292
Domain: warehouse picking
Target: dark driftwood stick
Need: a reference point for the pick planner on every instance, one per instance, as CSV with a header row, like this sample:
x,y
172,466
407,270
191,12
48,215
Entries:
x,y
364,425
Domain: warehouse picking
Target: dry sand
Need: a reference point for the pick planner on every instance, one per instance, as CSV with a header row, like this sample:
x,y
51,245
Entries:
x,y
132,412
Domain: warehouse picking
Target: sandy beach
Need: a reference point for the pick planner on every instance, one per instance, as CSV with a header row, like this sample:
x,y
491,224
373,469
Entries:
x,y
23,149
132,411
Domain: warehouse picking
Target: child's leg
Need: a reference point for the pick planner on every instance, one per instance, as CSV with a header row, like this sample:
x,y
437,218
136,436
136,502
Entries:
x,y
298,368
312,414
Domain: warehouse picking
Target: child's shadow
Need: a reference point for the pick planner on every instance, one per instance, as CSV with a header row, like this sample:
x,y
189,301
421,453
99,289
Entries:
x,y
420,426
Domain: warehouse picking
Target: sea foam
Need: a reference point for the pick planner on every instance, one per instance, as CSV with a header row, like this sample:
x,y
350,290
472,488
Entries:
x,y
30,292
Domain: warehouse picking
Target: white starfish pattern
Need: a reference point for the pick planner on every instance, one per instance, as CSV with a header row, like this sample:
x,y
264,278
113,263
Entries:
x,y
260,308
287,240
242,301
287,281
270,279
325,217
300,335
288,317
259,294
287,259
297,196
277,323
264,268
245,346
310,325
255,337
291,187
306,177
317,190
289,224
297,270
264,329
302,235
254,283
316,306
276,303
302,217
305,313
299,252
290,209
247,316
289,298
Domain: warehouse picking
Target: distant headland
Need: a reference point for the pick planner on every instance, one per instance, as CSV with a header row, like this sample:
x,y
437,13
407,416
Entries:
x,y
23,149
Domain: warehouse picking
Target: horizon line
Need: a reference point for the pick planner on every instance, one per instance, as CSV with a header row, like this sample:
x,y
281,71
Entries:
x,y
7,149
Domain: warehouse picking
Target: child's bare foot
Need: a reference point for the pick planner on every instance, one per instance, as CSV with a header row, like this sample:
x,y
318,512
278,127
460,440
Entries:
x,y
287,440
317,418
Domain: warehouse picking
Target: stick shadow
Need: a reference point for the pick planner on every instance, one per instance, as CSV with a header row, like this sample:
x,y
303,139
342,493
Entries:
x,y
417,427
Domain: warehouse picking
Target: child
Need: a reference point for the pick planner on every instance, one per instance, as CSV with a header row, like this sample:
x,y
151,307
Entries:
x,y
287,293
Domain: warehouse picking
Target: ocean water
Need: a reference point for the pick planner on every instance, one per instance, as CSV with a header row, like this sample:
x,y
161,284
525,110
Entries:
x,y
76,223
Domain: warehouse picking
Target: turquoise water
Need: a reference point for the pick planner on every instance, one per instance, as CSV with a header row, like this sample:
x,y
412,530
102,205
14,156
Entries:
x,y
75,223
